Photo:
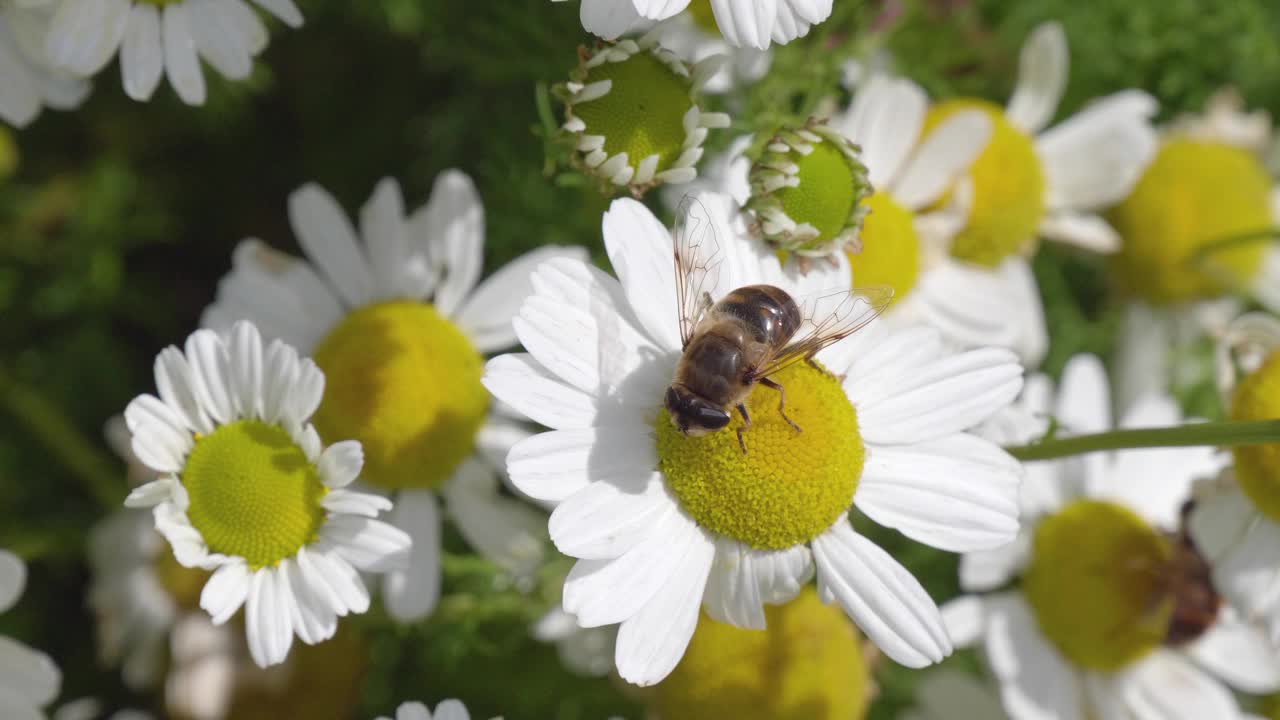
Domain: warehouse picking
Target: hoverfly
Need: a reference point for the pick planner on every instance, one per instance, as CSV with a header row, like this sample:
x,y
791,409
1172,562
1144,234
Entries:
x,y
748,335
1188,579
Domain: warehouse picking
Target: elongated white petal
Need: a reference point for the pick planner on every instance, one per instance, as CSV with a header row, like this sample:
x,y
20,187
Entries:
x,y
141,54
946,153
1083,230
226,590
327,237
453,223
609,517
1042,78
518,380
1166,686
13,578
746,23
608,18
355,503
181,64
553,466
1238,652
29,674
733,592
1035,681
486,315
340,463
411,594
368,544
1093,158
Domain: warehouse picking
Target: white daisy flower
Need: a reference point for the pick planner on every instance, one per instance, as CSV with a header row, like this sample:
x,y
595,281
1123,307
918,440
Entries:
x,y
397,319
446,710
743,23
31,83
1237,520
1113,613
162,38
247,490
1197,230
1033,182
30,680
663,524
944,694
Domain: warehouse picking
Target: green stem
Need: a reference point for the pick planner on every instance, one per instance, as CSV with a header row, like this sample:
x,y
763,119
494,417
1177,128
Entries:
x,y
1229,242
101,476
1225,434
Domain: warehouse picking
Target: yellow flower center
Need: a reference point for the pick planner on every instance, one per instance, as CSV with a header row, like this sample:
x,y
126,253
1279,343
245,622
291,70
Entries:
x,y
808,665
183,584
405,382
1193,194
1257,397
1094,584
1008,188
319,681
704,17
789,486
253,492
890,252
643,113
826,194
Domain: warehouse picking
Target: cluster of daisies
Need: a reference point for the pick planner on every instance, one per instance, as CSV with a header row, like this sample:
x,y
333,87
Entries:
x,y
304,450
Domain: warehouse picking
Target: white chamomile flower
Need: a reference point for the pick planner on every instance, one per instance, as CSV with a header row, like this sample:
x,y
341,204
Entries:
x,y
693,36
247,489
446,710
397,319
162,37
1033,182
31,83
743,23
944,694
1237,519
1112,613
583,651
663,524
30,680
1198,229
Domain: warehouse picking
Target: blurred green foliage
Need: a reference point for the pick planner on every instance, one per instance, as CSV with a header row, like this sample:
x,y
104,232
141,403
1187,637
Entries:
x,y
122,216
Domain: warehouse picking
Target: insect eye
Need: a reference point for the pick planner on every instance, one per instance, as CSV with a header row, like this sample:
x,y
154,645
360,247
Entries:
x,y
712,418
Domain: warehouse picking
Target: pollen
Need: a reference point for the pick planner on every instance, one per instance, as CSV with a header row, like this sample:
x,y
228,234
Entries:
x,y
1008,189
253,493
790,486
1094,584
807,665
1257,467
643,112
890,253
405,382
1193,194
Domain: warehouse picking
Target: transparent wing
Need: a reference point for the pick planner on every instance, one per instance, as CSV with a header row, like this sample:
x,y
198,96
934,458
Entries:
x,y
698,257
829,318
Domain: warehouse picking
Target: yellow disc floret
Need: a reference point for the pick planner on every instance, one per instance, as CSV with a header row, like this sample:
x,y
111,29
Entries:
x,y
643,113
1094,584
789,486
405,382
1008,188
1193,194
253,492
1257,397
890,253
824,198
808,665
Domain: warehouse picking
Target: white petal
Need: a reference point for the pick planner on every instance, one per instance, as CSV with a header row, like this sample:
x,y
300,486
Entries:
x,y
1239,653
1083,230
333,580
341,463
283,9
972,306
1221,519
1166,686
305,394
889,114
942,397
453,221
268,623
84,35
552,466
150,494
965,618
497,436
141,55
659,9
640,249
384,229
652,641
1035,682
486,315
210,368
158,440
882,597
13,578
604,592
782,573
608,18
989,569
609,517
518,380
368,544
355,503
217,40
1249,576
733,594
225,591
451,710
1042,77
411,594
957,493
180,61
746,23
796,17
28,673
313,619
244,352
505,530
946,153
947,693
1093,158
327,237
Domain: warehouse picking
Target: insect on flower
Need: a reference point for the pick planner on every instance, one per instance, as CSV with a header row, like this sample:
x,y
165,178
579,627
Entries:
x,y
747,336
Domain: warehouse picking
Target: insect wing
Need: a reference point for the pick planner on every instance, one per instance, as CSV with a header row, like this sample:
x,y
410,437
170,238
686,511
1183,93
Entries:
x,y
829,318
698,257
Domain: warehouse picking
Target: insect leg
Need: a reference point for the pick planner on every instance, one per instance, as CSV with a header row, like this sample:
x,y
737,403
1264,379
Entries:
x,y
746,419
782,400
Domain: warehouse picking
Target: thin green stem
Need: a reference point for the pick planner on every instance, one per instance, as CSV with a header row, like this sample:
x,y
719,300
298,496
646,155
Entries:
x,y
1229,242
102,478
1225,434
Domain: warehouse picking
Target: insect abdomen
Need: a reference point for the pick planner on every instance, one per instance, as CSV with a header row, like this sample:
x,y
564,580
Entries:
x,y
767,312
